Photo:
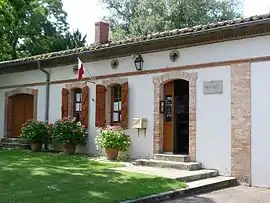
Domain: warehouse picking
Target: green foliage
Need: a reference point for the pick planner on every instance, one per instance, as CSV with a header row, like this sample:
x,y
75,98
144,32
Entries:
x,y
35,131
141,17
30,27
113,137
69,131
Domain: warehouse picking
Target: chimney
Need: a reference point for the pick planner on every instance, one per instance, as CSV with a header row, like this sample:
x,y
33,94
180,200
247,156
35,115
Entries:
x,y
101,32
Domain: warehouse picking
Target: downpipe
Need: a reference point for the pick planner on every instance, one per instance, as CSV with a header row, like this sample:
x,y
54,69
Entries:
x,y
47,104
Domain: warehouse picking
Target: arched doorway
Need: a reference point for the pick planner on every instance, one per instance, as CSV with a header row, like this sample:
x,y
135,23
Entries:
x,y
22,109
158,125
176,117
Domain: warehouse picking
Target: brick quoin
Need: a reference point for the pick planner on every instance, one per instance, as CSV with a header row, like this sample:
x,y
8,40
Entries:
x,y
241,122
159,82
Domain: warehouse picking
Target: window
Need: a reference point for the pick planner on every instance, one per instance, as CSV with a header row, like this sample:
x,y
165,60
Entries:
x,y
77,104
116,96
168,108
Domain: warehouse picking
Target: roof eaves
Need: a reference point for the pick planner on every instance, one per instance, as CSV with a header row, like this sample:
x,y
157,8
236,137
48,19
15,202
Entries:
x,y
183,32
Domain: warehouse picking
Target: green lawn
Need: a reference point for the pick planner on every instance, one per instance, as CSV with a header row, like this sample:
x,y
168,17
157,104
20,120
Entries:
x,y
27,177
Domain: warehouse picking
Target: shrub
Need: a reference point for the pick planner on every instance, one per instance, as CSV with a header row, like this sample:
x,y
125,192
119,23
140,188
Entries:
x,y
113,137
35,131
68,131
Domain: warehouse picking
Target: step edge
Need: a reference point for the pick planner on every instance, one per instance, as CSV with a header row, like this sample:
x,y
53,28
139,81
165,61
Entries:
x,y
172,155
164,161
179,193
205,175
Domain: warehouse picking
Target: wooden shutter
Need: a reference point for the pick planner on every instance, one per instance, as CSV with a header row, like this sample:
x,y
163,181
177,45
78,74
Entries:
x,y
64,108
100,105
124,110
85,105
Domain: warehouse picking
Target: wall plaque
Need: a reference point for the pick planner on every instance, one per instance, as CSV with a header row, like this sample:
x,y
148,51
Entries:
x,y
213,87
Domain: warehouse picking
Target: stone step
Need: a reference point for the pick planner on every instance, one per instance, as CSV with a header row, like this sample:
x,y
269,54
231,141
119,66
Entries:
x,y
14,140
175,174
14,145
190,166
195,187
172,157
212,184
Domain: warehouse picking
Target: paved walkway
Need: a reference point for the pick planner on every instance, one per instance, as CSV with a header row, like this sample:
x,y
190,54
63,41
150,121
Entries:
x,y
238,194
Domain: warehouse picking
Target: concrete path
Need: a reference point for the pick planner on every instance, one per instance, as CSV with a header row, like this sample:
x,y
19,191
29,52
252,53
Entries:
x,y
238,194
163,172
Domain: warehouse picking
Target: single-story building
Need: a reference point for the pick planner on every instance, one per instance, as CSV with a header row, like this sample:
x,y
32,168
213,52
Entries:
x,y
202,91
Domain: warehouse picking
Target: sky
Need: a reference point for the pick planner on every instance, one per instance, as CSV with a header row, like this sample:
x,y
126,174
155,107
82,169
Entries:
x,y
83,14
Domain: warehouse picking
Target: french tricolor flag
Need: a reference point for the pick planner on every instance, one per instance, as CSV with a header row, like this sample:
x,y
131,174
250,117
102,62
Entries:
x,y
81,69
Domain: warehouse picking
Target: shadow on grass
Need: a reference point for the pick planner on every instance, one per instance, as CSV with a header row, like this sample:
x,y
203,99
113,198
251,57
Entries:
x,y
39,177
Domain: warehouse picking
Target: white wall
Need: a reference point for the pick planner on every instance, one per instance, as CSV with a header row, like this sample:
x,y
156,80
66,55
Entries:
x,y
238,49
213,114
260,118
213,111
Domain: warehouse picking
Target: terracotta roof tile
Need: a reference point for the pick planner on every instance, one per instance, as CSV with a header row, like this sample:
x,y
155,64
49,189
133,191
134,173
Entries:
x,y
154,36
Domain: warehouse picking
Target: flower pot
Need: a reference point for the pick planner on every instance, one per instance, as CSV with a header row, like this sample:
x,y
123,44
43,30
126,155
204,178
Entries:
x,y
111,153
36,146
69,148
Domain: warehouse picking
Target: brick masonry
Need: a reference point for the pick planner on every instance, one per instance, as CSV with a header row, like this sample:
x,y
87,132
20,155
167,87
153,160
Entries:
x,y
8,111
241,122
159,82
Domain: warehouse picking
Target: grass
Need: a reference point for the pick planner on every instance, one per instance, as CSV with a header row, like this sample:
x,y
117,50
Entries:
x,y
27,177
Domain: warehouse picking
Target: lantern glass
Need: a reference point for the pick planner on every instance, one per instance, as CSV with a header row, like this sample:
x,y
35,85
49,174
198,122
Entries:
x,y
139,62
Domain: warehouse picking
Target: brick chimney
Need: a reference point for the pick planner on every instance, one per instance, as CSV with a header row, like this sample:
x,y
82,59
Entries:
x,y
101,32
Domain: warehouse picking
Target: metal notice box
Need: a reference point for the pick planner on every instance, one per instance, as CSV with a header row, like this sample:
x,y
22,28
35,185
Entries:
x,y
213,87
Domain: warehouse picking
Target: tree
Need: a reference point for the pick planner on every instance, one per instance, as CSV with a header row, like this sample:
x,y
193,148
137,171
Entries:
x,y
29,27
57,42
141,17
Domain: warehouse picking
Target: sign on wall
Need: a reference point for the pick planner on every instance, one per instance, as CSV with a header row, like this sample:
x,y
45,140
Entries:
x,y
213,87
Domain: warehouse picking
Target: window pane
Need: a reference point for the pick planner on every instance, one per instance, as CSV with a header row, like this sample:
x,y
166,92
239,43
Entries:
x,y
78,107
117,92
120,105
168,108
115,117
78,116
116,106
78,97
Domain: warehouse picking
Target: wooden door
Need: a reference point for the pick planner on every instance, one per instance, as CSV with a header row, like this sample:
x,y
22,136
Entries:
x,y
168,127
22,110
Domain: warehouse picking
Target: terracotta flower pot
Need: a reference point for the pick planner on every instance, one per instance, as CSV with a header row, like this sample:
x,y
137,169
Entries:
x,y
69,148
36,146
111,153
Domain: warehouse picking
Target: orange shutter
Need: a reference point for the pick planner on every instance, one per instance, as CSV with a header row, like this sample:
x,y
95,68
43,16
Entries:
x,y
124,110
100,105
65,94
85,105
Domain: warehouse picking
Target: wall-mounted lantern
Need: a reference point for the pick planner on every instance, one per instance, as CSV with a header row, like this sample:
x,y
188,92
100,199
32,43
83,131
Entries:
x,y
139,62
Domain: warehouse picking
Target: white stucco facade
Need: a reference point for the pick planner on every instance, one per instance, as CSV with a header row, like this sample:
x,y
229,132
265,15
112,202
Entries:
x,y
260,95
213,112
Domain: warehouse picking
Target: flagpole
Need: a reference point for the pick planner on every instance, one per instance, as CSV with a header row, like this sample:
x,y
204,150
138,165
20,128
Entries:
x,y
90,75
